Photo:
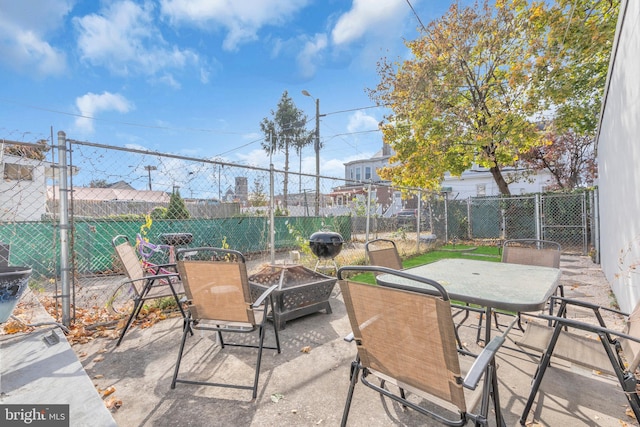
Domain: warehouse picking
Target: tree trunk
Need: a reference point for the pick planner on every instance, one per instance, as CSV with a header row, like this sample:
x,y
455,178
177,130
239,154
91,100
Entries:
x,y
499,179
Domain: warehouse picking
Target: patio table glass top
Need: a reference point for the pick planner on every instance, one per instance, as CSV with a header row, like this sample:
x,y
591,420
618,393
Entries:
x,y
501,286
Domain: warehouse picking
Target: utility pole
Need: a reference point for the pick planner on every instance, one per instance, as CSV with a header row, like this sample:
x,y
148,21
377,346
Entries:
x,y
316,146
150,168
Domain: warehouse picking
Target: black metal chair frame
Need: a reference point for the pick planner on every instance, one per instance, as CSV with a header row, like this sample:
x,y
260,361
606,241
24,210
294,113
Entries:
x,y
150,281
265,300
608,338
482,366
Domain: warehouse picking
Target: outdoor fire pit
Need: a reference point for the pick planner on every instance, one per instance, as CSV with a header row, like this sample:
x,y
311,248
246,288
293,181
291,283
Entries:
x,y
176,239
300,291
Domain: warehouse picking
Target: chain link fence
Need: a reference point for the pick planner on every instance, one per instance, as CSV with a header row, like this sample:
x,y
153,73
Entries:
x,y
265,213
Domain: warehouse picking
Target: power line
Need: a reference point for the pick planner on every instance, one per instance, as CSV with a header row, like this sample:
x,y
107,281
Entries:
x,y
142,125
416,15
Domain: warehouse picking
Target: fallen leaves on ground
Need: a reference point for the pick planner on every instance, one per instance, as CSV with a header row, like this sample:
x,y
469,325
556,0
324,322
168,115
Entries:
x,y
629,412
113,404
275,397
306,349
13,326
89,323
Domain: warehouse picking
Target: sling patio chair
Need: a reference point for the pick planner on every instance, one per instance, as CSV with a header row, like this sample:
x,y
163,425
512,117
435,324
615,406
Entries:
x,y
143,286
383,253
542,253
405,338
219,300
589,345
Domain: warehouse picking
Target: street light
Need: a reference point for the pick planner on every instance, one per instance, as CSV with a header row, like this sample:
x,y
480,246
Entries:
x,y
150,168
316,146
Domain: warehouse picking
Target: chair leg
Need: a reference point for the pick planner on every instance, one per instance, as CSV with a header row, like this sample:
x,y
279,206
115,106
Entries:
x,y
258,362
276,327
354,372
632,394
537,379
134,313
551,301
187,328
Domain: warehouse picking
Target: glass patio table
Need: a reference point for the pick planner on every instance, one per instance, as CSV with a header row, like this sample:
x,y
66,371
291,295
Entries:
x,y
492,285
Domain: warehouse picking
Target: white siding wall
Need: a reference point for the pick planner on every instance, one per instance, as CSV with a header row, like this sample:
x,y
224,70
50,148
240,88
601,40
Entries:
x,y
466,185
619,162
23,200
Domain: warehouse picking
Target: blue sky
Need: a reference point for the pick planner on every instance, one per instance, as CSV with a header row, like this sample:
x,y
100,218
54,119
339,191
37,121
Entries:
x,y
196,77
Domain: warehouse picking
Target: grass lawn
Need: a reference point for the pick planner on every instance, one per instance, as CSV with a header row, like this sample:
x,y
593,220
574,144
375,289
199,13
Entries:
x,y
485,253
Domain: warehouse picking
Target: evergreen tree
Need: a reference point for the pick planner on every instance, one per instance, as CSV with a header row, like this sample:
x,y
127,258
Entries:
x,y
177,208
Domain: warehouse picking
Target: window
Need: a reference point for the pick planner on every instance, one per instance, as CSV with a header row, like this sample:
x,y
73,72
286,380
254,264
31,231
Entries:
x,y
481,190
16,172
358,174
367,172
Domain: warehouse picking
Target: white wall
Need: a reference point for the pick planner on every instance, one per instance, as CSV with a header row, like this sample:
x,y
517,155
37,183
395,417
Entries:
x,y
466,185
23,200
619,162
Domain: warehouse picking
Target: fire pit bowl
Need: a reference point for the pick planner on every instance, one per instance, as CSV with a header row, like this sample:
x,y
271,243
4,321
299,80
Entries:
x,y
176,239
13,282
300,291
326,244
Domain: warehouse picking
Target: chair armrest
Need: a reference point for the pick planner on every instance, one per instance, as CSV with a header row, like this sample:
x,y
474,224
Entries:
x,y
158,276
563,321
467,308
258,302
487,355
157,267
586,304
153,277
479,366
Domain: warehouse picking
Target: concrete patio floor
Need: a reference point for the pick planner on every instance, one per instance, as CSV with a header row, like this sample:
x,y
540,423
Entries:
x,y
306,385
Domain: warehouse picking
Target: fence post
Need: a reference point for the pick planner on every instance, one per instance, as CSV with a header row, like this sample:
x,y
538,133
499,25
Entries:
x,y
272,229
446,219
64,230
537,219
469,231
418,220
595,224
583,198
368,212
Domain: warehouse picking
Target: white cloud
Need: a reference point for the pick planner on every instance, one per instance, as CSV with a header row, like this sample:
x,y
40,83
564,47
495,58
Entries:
x,y
368,16
360,121
24,27
307,58
90,104
124,39
241,19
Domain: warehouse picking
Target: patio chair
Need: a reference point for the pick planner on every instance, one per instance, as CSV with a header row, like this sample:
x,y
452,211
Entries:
x,y
383,253
161,283
542,253
219,298
405,338
605,350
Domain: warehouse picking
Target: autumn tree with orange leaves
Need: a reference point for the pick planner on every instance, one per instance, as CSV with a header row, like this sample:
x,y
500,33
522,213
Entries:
x,y
570,78
465,97
483,78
